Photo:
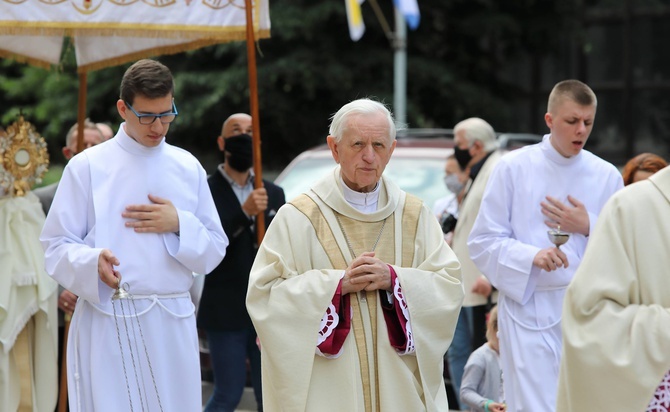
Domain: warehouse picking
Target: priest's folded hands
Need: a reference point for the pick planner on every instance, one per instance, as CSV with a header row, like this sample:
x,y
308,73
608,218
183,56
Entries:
x,y
366,272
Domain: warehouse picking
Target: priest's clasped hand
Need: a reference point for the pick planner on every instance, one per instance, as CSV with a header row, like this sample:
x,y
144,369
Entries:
x,y
158,217
366,272
106,263
550,259
571,219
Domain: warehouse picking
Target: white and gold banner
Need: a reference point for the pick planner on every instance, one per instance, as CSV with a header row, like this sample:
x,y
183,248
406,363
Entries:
x,y
110,32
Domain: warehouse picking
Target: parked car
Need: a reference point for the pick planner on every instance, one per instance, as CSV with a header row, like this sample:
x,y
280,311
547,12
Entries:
x,y
417,166
511,141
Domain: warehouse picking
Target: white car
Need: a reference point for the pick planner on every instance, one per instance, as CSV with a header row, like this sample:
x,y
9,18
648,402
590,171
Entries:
x,y
417,166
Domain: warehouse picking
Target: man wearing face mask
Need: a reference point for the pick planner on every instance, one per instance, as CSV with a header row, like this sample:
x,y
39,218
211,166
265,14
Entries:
x,y
222,313
476,152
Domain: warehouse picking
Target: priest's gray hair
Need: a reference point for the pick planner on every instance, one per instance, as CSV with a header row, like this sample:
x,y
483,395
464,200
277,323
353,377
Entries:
x,y
339,121
478,129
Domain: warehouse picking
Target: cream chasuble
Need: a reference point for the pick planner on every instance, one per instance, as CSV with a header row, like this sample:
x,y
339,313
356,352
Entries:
x,y
28,321
616,316
294,278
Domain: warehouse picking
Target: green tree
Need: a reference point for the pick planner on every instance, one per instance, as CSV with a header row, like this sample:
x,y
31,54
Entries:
x,y
457,60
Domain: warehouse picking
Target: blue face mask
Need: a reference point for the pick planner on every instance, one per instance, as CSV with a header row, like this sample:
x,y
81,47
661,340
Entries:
x,y
453,184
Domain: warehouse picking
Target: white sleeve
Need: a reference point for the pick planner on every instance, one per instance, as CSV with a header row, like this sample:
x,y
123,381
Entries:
x,y
493,247
68,235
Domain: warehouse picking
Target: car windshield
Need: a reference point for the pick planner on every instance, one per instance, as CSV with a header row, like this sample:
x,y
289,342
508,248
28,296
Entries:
x,y
421,177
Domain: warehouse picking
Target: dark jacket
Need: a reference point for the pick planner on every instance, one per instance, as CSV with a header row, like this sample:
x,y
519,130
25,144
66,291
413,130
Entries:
x,y
222,305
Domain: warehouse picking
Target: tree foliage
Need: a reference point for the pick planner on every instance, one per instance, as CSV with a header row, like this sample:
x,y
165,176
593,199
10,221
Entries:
x,y
309,68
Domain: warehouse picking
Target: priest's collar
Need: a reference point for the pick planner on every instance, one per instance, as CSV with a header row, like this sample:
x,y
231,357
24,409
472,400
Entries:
x,y
550,151
329,190
364,202
132,146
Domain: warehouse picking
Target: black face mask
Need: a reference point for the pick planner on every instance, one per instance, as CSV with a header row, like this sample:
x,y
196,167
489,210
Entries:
x,y
240,152
462,157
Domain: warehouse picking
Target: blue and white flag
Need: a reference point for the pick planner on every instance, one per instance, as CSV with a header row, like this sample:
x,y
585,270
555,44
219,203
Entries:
x,y
409,9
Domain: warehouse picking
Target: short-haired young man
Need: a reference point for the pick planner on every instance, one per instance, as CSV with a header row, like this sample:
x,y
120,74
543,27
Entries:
x,y
138,212
552,185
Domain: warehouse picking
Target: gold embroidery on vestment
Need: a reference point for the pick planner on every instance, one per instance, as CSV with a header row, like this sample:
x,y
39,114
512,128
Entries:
x,y
362,235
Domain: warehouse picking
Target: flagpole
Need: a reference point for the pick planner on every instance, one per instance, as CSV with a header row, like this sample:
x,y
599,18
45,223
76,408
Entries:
x,y
400,68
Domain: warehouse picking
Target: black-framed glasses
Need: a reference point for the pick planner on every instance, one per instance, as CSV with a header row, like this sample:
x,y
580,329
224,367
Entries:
x,y
150,118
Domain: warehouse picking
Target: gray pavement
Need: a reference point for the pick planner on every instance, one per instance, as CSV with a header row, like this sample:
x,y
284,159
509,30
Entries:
x,y
247,404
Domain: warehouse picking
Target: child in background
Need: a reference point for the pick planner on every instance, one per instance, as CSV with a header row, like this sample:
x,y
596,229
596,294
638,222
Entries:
x,y
481,388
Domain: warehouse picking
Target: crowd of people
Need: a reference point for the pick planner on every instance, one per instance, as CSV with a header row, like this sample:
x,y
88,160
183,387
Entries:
x,y
358,291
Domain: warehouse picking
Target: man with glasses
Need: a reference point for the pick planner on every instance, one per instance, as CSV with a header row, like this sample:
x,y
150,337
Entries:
x,y
134,212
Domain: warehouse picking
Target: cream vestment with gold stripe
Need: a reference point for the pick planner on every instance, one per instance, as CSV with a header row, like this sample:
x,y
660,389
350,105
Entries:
x,y
295,276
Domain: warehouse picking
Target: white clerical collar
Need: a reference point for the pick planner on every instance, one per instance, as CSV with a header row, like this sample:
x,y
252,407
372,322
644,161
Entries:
x,y
553,154
363,202
133,146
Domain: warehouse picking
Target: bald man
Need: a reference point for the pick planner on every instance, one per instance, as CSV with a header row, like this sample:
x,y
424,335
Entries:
x,y
106,130
222,313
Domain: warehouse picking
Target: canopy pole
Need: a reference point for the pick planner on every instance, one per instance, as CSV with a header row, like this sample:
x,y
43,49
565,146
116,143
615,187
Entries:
x,y
255,120
62,394
81,116
81,113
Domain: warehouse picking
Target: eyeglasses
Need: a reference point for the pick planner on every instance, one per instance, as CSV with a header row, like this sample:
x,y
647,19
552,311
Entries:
x,y
150,118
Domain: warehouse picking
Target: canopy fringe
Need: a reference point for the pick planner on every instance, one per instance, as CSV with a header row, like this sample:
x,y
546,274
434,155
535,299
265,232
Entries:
x,y
221,33
157,51
24,59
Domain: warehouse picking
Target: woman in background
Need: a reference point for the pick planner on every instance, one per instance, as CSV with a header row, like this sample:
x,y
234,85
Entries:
x,y
641,167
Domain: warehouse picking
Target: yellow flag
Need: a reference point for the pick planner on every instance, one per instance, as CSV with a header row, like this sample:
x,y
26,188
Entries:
x,y
355,19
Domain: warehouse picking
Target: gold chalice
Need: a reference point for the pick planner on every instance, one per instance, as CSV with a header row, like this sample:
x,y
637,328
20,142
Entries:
x,y
558,237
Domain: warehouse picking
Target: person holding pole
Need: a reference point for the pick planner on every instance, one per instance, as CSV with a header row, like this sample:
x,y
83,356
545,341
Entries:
x,y
222,313
28,319
133,218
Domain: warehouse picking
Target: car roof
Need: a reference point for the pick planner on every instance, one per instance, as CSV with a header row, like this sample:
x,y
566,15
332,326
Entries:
x,y
406,147
430,146
511,141
407,155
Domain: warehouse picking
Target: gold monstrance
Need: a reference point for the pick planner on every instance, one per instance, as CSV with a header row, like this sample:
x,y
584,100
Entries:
x,y
23,158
